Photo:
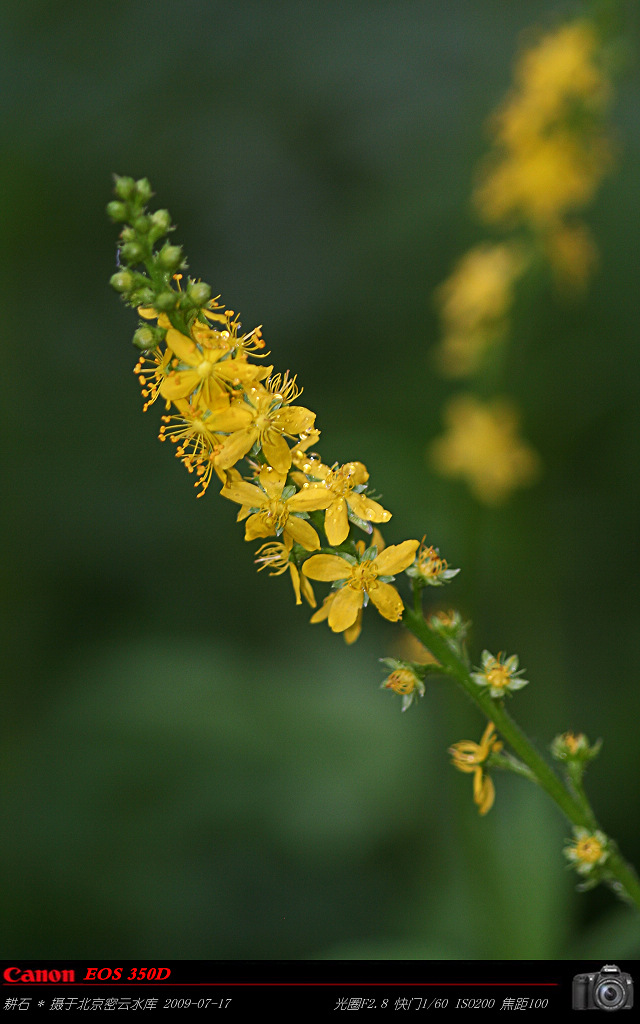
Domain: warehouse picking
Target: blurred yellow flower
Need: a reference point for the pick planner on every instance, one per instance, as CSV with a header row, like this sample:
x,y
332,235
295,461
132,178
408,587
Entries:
x,y
573,256
474,304
482,446
550,149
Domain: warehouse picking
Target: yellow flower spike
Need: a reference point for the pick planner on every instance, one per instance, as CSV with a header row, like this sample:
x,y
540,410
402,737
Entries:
x,y
275,511
551,152
361,581
470,757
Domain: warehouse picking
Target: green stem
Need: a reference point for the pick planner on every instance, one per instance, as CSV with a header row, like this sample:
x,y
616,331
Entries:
x,y
577,812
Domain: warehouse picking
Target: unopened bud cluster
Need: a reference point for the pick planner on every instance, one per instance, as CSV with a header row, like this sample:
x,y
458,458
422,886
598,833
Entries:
x,y
148,265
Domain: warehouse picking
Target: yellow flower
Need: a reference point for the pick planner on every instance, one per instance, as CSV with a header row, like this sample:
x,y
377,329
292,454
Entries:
x,y
468,756
562,68
347,484
151,371
403,680
429,568
474,304
268,417
588,851
276,557
361,579
482,446
276,509
197,445
205,368
543,183
500,674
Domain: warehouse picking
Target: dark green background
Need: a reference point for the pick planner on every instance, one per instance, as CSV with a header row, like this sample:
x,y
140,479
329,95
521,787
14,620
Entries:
x,y
190,769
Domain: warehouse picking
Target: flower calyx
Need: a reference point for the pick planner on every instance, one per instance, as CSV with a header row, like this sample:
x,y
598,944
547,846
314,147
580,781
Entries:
x,y
406,679
429,569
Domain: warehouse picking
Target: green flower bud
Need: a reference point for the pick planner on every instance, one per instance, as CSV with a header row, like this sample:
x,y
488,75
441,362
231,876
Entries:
x,y
142,297
571,747
166,301
117,211
132,252
125,187
122,281
170,257
147,337
144,190
199,292
161,219
142,224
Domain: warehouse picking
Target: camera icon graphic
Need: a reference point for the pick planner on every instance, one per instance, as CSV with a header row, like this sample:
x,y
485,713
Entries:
x,y
609,989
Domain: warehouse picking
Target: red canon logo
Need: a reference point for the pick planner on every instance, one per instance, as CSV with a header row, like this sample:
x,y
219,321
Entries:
x,y
51,976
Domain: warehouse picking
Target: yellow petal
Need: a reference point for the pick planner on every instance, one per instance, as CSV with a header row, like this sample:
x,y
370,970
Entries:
x,y
387,600
272,481
236,446
302,532
236,370
228,420
295,579
307,591
327,567
244,493
276,450
397,557
257,527
185,349
357,472
484,792
179,384
367,509
295,419
309,498
353,632
336,522
323,611
344,608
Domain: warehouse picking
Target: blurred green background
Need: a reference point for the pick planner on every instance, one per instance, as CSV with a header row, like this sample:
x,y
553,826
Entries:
x,y
191,770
